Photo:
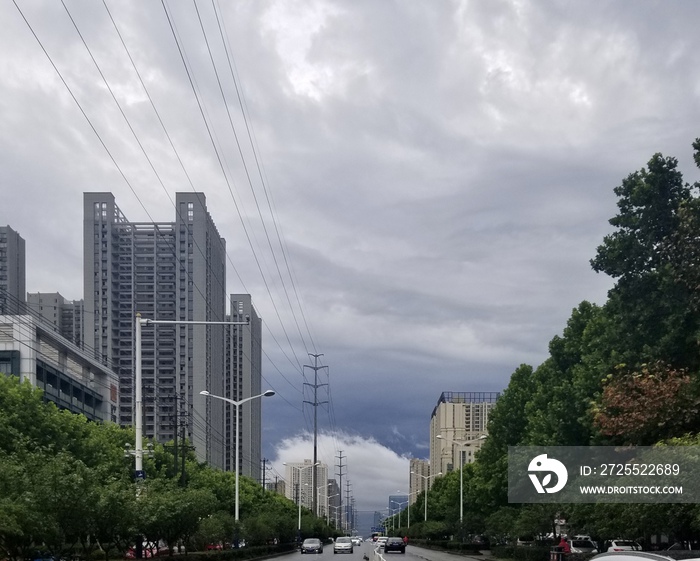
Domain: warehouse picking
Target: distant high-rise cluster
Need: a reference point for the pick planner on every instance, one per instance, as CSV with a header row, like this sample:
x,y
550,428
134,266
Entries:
x,y
173,271
299,477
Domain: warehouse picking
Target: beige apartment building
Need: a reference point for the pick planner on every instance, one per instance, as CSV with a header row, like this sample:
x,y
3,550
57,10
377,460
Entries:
x,y
458,427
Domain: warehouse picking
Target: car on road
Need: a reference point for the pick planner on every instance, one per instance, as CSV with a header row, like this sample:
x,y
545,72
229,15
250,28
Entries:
x,y
381,540
395,544
312,545
632,555
343,544
582,546
356,540
623,545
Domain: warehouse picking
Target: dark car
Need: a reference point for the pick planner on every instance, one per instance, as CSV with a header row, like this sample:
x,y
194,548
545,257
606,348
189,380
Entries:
x,y
395,544
312,545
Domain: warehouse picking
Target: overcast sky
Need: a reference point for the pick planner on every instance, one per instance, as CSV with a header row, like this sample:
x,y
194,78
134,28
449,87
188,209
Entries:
x,y
428,183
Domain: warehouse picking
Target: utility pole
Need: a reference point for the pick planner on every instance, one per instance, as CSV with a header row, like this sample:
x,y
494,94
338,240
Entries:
x,y
176,428
185,448
348,505
264,471
340,486
315,403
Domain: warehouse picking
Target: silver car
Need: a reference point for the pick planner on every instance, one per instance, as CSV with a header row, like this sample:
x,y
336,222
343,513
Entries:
x,y
343,544
582,546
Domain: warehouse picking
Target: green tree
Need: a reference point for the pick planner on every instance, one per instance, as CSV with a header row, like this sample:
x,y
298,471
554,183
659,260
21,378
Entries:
x,y
500,524
114,520
507,426
559,409
171,513
650,308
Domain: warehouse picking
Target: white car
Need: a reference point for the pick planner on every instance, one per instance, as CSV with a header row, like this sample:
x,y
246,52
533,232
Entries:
x,y
356,540
343,544
624,545
381,541
582,546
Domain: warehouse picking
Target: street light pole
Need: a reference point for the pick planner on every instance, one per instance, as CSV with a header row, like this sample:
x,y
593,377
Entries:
x,y
399,507
336,507
237,404
300,468
328,510
427,488
138,421
462,444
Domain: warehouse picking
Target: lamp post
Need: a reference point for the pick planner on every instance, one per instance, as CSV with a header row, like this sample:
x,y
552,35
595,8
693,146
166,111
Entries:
x,y
300,468
318,499
139,322
330,506
237,404
409,511
427,488
462,444
336,507
393,516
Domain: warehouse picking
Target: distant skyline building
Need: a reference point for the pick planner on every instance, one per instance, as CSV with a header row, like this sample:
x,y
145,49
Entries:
x,y
397,504
461,418
298,476
277,486
65,315
13,273
243,378
334,502
174,271
419,479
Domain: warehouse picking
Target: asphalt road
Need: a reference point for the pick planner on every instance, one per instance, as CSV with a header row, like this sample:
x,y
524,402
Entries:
x,y
367,552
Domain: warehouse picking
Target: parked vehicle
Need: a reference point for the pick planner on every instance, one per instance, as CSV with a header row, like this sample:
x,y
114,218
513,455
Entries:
x,y
582,546
623,545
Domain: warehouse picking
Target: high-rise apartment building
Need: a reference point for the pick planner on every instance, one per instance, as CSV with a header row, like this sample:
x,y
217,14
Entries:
x,y
174,271
299,488
12,272
67,317
460,419
243,379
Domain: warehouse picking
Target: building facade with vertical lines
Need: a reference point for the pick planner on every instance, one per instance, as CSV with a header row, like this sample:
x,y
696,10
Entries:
x,y
461,419
67,317
12,272
244,379
174,271
419,479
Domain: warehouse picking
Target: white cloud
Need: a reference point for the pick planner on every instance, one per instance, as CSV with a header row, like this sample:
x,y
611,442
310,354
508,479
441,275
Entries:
x,y
374,471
